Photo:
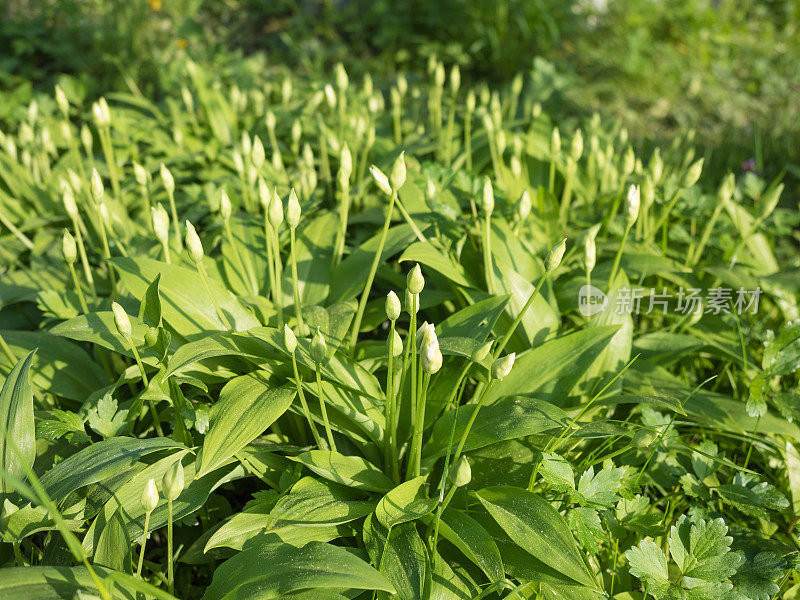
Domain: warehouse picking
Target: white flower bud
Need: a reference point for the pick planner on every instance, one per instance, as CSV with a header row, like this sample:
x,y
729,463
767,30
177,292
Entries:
x,y
342,81
632,204
258,155
121,320
346,162
398,175
224,205
656,165
275,213
318,347
140,174
87,139
293,210
297,131
381,180
264,194
488,196
98,190
470,102
590,253
173,481
330,95
727,187
555,255
68,248
160,223
61,101
502,366
193,244
402,84
393,307
69,203
415,282
693,173
270,120
238,162
429,349
167,179
577,145
628,162
555,141
289,339
455,79
149,496
524,206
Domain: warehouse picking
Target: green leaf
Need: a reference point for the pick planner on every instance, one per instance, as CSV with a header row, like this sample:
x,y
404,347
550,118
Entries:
x,y
426,254
701,549
557,471
17,430
585,524
58,583
352,471
113,548
475,321
601,488
538,528
318,566
313,502
649,563
105,419
185,303
150,306
466,534
99,328
407,502
401,556
752,496
757,576
247,406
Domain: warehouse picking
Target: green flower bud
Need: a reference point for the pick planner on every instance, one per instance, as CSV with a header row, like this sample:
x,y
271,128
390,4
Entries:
x,y
68,248
167,179
502,366
140,174
555,255
590,251
61,101
121,320
523,207
576,151
693,173
173,481
289,339
398,175
270,120
150,496
258,155
193,244
632,204
415,282
264,194
69,203
392,306
346,162
555,141
487,203
628,162
87,139
160,223
293,210
330,95
470,102
461,474
381,180
151,337
275,210
98,190
455,79
481,352
656,165
318,347
394,344
224,205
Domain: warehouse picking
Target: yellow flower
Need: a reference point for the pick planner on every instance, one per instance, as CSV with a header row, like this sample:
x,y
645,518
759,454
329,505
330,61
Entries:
x,y
154,4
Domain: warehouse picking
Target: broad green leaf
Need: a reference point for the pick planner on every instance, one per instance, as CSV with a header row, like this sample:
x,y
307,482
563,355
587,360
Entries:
x,y
113,548
213,345
100,461
318,566
401,556
99,328
352,471
538,528
649,563
17,430
563,361
60,583
150,306
557,471
426,254
186,305
247,406
313,502
407,502
466,534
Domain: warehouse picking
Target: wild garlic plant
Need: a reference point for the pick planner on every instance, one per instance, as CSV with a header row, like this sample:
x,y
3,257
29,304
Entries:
x,y
293,337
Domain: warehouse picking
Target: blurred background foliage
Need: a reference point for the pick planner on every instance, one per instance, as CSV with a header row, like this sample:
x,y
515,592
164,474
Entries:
x,y
729,70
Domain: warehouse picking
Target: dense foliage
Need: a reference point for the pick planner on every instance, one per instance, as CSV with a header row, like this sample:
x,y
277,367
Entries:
x,y
198,345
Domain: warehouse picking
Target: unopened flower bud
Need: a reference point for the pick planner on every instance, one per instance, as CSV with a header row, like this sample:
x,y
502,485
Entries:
x,y
693,173
160,223
381,180
121,320
590,250
392,306
98,190
264,194
770,200
68,248
455,79
224,205
258,155
628,162
61,101
461,474
727,187
398,175
193,244
346,162
318,347
523,208
487,203
167,179
275,213
289,339
470,102
69,203
415,282
656,165
429,349
576,151
555,141
555,255
293,210
151,337
173,481
150,496
502,366
140,174
632,204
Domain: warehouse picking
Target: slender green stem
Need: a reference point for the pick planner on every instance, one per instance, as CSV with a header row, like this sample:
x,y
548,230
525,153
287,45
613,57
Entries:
x,y
415,456
471,421
390,409
324,411
750,448
7,351
566,195
344,210
501,346
618,257
165,247
170,557
270,260
371,275
468,139
298,308
488,262
662,220
87,271
175,224
551,180
151,402
420,236
304,404
144,543
108,153
78,290
276,253
25,240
